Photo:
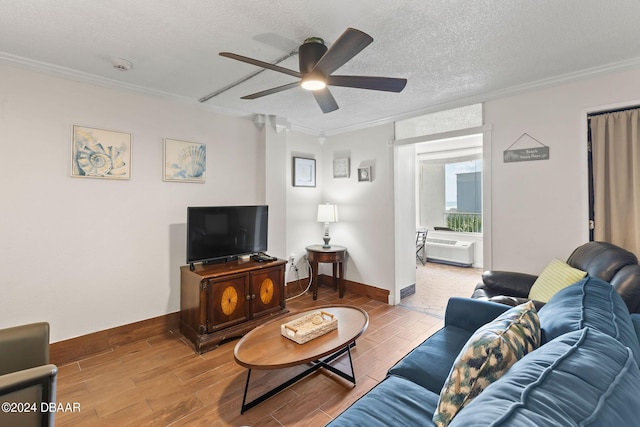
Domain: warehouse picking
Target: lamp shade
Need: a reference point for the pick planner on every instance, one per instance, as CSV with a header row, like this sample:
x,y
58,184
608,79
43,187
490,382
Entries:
x,y
327,213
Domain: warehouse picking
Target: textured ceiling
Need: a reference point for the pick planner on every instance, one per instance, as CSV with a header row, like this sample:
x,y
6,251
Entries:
x,y
452,52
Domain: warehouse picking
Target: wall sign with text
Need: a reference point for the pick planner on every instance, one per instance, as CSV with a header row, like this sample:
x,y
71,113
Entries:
x,y
528,149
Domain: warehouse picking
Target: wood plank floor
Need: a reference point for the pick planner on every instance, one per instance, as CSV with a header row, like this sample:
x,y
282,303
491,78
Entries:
x,y
162,382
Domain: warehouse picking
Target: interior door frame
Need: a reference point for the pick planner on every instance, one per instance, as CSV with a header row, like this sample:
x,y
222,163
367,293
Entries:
x,y
406,231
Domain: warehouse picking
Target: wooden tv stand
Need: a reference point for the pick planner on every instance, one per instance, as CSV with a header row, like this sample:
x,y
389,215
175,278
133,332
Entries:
x,y
227,300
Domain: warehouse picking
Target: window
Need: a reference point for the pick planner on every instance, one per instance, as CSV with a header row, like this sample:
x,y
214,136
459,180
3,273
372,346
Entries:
x,y
450,184
463,196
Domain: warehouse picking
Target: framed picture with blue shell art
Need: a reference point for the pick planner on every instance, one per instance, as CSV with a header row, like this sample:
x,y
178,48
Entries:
x,y
100,153
184,161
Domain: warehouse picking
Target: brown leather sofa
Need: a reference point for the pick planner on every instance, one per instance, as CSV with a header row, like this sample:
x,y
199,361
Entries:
x,y
27,380
603,260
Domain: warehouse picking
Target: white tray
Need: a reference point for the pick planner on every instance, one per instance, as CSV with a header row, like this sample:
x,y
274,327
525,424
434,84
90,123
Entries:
x,y
309,326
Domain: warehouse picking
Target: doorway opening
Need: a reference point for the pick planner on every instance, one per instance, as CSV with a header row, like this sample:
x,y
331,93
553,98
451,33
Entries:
x,y
451,190
449,209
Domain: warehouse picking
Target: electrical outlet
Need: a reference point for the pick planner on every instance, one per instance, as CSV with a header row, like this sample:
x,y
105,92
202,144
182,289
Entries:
x,y
292,259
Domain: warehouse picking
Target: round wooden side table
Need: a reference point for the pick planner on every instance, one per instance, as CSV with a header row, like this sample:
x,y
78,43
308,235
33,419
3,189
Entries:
x,y
336,255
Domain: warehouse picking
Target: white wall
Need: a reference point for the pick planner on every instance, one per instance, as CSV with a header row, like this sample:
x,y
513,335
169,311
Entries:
x,y
275,173
302,202
404,175
90,254
540,207
366,209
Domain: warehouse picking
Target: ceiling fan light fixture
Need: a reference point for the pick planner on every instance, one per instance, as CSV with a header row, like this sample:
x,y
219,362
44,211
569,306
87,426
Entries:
x,y
313,83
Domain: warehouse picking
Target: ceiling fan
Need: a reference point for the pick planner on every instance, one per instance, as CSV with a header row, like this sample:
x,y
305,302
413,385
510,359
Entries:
x,y
316,65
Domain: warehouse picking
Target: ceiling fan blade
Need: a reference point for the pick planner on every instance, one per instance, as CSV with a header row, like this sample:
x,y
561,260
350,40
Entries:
x,y
348,45
326,101
261,64
271,91
388,84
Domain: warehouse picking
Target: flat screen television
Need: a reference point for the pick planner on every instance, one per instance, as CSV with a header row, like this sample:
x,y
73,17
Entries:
x,y
222,233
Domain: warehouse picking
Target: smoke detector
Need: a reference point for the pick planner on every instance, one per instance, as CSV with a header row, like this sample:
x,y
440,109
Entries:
x,y
121,64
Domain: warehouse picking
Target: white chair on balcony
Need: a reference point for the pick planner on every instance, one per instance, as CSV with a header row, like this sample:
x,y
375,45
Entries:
x,y
421,250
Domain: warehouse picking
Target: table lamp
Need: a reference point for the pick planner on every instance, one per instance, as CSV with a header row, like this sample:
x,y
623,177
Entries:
x,y
327,213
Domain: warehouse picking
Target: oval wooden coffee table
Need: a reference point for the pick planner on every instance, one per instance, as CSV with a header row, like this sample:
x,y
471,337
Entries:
x,y
265,348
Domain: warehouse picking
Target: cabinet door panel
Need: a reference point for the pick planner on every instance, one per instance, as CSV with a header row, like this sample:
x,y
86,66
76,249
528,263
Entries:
x,y
228,303
266,289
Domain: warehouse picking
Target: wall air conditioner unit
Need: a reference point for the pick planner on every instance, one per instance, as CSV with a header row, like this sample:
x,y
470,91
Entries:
x,y
453,252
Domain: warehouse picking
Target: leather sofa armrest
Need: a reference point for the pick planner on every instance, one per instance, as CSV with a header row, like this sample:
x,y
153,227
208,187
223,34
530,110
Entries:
x,y
23,347
470,314
509,283
627,283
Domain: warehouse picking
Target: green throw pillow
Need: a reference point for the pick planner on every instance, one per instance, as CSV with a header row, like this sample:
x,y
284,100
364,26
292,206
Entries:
x,y
555,277
488,354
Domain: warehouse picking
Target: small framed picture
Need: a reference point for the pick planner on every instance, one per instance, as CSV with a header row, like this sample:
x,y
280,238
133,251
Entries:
x,y
341,168
364,174
100,153
304,172
184,161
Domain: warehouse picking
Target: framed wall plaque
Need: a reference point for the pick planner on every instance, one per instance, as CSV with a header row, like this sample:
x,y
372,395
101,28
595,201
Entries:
x,y
341,168
304,172
364,174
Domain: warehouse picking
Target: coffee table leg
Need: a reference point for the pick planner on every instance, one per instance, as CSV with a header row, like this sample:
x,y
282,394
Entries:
x,y
325,364
244,397
315,366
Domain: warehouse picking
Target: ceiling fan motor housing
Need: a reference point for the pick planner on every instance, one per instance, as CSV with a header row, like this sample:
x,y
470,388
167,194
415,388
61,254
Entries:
x,y
310,53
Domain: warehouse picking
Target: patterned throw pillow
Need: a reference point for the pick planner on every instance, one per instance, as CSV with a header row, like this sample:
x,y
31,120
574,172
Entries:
x,y
488,354
555,277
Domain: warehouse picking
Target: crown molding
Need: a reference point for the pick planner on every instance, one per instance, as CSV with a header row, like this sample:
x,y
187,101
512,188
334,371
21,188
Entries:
x,y
70,74
82,77
67,73
614,67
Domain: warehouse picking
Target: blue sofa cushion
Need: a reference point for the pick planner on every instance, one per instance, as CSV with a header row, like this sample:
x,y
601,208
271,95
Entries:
x,y
593,303
584,377
428,365
430,362
488,354
394,402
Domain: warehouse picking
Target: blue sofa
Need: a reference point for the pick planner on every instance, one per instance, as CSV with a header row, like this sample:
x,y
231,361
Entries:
x,y
585,372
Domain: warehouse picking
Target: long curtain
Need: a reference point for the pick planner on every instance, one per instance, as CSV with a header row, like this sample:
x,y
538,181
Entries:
x,y
615,145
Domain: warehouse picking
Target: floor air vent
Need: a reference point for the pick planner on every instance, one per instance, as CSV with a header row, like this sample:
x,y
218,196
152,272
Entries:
x,y
454,252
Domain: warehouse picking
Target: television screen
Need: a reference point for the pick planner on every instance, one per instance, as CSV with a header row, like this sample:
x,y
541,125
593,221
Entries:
x,y
217,232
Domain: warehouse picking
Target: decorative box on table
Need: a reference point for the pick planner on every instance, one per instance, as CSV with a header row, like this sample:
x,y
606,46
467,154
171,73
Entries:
x,y
309,326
